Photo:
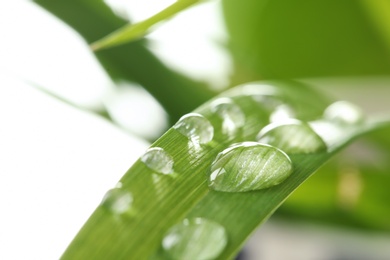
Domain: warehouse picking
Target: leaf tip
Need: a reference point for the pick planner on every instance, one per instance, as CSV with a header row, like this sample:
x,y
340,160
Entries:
x,y
95,46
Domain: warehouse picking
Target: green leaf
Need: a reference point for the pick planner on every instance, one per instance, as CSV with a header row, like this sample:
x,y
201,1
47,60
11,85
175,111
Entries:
x,y
379,11
160,201
133,32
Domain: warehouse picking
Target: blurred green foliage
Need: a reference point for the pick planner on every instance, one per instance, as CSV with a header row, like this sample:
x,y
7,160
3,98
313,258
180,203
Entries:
x,y
93,19
299,38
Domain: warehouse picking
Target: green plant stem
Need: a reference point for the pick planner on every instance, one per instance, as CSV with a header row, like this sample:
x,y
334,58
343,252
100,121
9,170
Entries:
x,y
134,31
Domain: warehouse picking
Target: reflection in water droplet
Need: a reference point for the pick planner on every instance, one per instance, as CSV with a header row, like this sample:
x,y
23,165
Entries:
x,y
158,160
195,239
292,136
344,112
281,113
117,201
196,127
231,114
249,166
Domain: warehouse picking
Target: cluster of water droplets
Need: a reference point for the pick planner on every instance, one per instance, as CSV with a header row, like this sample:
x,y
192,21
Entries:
x,y
250,166
241,167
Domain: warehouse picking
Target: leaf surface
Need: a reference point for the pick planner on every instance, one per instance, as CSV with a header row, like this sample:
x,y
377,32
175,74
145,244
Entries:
x,y
161,201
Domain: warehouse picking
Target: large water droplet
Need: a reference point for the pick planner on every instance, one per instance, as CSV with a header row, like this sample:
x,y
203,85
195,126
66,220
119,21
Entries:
x,y
196,127
281,113
231,114
158,160
195,239
292,136
117,201
344,112
249,166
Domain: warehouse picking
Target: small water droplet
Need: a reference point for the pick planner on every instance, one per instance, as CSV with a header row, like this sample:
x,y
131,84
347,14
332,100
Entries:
x,y
331,133
281,113
292,136
344,112
231,114
196,127
158,160
249,166
117,201
196,239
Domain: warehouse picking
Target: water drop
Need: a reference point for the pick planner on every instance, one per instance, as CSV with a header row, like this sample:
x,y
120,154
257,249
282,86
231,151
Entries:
x,y
231,114
117,201
196,239
158,160
292,136
344,112
331,133
196,127
281,113
249,166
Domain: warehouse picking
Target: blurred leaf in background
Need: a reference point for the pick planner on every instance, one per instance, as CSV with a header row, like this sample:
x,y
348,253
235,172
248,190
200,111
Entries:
x,y
131,62
350,190
298,38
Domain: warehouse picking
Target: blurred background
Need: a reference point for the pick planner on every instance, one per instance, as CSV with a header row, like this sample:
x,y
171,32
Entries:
x,y
71,118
